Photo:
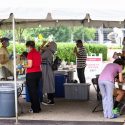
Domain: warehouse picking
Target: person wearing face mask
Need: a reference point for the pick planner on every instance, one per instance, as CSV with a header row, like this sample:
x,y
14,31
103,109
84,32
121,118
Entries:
x,y
5,60
47,53
33,75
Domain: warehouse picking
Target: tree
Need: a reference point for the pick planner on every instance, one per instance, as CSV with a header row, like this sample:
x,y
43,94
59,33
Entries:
x,y
19,34
89,34
84,33
6,33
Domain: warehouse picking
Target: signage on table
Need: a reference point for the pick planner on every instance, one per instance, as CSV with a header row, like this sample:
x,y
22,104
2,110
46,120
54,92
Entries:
x,y
94,66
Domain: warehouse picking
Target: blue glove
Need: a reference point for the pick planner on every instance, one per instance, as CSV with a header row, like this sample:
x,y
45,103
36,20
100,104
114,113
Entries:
x,y
19,66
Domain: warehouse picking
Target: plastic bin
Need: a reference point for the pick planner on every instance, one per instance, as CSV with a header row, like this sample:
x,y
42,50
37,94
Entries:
x,y
75,91
7,100
60,79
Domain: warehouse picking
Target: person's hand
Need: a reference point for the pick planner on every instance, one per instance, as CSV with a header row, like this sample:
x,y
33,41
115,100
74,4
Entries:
x,y
43,44
19,66
25,66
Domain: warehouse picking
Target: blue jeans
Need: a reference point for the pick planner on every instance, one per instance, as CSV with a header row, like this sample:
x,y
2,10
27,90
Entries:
x,y
106,88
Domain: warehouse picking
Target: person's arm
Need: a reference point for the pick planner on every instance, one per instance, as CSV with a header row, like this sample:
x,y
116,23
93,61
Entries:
x,y
121,77
29,64
76,52
29,61
43,44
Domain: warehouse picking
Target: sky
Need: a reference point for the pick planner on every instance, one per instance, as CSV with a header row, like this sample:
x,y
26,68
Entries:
x,y
79,4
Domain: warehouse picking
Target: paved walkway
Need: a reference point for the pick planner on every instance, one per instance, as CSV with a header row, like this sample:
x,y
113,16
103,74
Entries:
x,y
10,122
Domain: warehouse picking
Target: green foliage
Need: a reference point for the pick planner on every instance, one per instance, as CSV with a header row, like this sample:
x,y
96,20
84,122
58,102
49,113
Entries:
x,y
20,47
65,50
97,48
89,33
60,33
84,33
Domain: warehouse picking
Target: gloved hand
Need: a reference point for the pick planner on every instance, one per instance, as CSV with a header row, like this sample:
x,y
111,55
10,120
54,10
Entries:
x,y
19,66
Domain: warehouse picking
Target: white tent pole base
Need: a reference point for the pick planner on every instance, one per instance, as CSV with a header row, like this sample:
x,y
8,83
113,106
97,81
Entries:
x,y
17,123
15,80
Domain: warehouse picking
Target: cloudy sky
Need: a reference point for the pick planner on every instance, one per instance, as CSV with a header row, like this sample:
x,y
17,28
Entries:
x,y
79,4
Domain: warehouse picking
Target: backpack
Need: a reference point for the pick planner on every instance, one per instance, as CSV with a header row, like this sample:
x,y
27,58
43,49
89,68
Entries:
x,y
56,63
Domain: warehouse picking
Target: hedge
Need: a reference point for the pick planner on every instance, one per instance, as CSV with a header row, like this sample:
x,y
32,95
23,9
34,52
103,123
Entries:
x,y
65,50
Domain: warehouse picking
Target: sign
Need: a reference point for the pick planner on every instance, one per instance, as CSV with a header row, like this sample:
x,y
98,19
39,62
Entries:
x,y
94,66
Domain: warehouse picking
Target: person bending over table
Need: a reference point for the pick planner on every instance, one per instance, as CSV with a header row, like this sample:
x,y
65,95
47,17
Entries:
x,y
33,75
106,85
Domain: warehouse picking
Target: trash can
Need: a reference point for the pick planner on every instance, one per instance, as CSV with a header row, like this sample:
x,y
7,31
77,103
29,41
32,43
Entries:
x,y
7,100
60,79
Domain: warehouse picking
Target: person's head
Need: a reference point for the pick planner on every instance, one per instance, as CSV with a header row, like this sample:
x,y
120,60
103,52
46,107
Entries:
x,y
24,55
119,62
52,46
79,43
5,42
30,45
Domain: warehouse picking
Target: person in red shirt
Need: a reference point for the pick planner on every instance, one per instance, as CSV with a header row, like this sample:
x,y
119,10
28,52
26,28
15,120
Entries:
x,y
33,75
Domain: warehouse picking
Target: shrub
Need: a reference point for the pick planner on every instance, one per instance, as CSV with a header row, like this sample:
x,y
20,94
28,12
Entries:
x,y
97,48
65,50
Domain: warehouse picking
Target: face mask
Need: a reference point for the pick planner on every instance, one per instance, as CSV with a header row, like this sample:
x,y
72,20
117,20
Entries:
x,y
6,44
28,50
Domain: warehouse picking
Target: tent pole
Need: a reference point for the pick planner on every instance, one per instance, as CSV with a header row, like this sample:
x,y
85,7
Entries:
x,y
15,80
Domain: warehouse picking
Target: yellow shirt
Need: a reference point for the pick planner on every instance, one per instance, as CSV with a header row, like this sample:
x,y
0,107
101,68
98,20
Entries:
x,y
5,55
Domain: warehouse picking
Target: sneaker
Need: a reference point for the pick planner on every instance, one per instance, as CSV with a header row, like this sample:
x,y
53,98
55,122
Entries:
x,y
116,111
44,103
114,116
30,111
48,103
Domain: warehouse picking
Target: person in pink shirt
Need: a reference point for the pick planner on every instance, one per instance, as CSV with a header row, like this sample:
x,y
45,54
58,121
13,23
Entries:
x,y
107,84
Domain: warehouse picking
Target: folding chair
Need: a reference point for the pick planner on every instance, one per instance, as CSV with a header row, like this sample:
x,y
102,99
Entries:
x,y
99,97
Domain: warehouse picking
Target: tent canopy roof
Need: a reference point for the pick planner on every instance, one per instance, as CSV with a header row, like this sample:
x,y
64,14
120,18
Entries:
x,y
73,12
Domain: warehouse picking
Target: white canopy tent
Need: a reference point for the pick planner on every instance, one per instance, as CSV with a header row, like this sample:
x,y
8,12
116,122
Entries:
x,y
59,12
94,13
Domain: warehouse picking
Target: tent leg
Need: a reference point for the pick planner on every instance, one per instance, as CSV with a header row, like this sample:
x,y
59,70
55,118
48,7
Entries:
x,y
14,55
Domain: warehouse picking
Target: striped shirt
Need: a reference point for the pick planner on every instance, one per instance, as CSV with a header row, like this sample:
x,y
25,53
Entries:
x,y
81,58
